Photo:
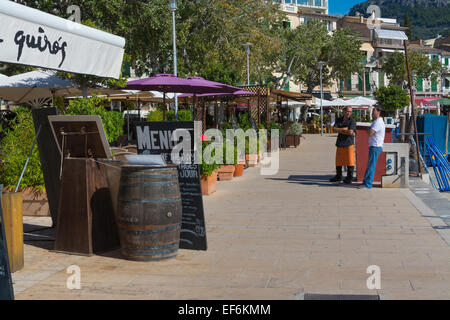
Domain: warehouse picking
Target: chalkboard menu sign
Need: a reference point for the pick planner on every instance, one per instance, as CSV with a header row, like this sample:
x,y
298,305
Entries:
x,y
156,138
6,289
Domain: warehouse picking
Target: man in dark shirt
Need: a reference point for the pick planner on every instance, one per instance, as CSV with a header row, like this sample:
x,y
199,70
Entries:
x,y
345,155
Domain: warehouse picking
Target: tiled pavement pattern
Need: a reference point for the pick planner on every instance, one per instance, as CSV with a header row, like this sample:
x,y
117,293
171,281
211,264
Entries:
x,y
272,237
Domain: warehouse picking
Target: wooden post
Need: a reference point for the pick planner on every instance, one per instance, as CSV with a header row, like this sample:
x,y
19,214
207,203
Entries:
x,y
402,127
259,107
164,106
204,115
268,109
413,108
216,123
13,222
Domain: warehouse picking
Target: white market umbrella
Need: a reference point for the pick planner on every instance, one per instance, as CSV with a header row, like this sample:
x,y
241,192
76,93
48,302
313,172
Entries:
x,y
340,103
32,85
362,102
36,86
325,103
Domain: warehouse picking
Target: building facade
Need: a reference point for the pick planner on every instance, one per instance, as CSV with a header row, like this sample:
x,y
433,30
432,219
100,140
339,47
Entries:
x,y
380,40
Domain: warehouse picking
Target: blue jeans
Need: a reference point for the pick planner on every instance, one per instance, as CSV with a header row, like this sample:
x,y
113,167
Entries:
x,y
374,153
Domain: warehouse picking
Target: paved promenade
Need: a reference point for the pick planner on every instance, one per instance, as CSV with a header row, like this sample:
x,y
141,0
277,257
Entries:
x,y
272,237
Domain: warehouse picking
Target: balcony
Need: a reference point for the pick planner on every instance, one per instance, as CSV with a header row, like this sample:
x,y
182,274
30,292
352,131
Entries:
x,y
293,6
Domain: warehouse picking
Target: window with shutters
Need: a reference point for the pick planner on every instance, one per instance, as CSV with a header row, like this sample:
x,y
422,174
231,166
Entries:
x,y
420,85
381,82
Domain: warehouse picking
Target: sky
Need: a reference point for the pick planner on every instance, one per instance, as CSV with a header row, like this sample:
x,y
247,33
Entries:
x,y
341,6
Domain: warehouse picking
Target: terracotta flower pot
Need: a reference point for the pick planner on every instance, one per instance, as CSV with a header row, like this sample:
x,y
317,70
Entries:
x,y
251,160
226,173
238,170
208,183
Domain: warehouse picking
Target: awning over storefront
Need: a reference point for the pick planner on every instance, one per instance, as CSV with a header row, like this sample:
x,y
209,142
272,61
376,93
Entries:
x,y
367,47
426,101
391,34
32,37
391,50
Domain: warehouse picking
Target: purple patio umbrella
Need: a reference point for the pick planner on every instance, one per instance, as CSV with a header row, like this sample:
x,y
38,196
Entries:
x,y
169,83
236,93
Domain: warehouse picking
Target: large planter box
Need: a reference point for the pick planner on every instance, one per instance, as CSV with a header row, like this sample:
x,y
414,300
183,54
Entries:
x,y
238,170
292,141
35,203
251,160
209,183
226,173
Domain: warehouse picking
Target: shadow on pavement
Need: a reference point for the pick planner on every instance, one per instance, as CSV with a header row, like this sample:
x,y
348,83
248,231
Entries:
x,y
315,180
39,236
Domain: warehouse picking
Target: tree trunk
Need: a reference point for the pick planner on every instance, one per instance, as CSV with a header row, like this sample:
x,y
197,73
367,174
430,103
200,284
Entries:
x,y
305,111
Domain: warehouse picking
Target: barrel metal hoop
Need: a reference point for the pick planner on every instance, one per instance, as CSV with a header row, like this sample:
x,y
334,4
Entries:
x,y
165,246
159,253
150,184
150,200
153,176
139,232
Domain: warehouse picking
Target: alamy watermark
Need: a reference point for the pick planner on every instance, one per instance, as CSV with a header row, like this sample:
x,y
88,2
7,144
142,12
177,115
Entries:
x,y
374,281
237,144
73,282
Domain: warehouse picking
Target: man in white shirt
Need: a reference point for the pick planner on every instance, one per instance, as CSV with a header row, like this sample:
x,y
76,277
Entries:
x,y
376,140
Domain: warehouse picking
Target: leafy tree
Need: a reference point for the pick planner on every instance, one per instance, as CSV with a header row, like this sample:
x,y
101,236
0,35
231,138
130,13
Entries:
x,y
210,34
407,24
392,97
420,64
311,43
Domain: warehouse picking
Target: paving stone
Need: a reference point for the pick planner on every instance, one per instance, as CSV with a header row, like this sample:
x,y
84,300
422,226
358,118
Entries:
x,y
274,238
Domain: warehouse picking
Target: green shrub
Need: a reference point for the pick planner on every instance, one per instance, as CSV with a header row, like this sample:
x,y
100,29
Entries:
x,y
208,169
157,115
185,115
244,121
295,129
112,121
14,150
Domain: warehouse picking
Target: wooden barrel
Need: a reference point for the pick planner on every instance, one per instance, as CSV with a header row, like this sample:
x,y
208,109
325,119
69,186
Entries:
x,y
149,213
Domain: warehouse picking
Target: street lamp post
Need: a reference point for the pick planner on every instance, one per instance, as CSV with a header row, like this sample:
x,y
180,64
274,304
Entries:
x,y
321,64
173,7
247,50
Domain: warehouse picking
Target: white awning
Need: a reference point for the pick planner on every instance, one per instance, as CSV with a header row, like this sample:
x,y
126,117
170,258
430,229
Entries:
x,y
32,37
391,34
391,50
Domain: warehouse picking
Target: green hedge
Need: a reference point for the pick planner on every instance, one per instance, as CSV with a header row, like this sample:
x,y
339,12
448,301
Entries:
x,y
14,150
157,116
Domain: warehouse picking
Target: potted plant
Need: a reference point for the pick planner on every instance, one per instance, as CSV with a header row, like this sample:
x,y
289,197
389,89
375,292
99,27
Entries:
x,y
208,175
226,171
14,150
293,133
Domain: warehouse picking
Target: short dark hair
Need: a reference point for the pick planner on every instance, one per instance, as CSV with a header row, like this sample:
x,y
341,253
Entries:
x,y
378,107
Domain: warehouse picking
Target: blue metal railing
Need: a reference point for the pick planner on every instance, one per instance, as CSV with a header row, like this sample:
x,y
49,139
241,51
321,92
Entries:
x,y
440,164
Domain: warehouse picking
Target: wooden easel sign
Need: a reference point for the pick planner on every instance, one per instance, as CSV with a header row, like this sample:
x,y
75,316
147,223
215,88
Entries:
x,y
86,223
6,288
